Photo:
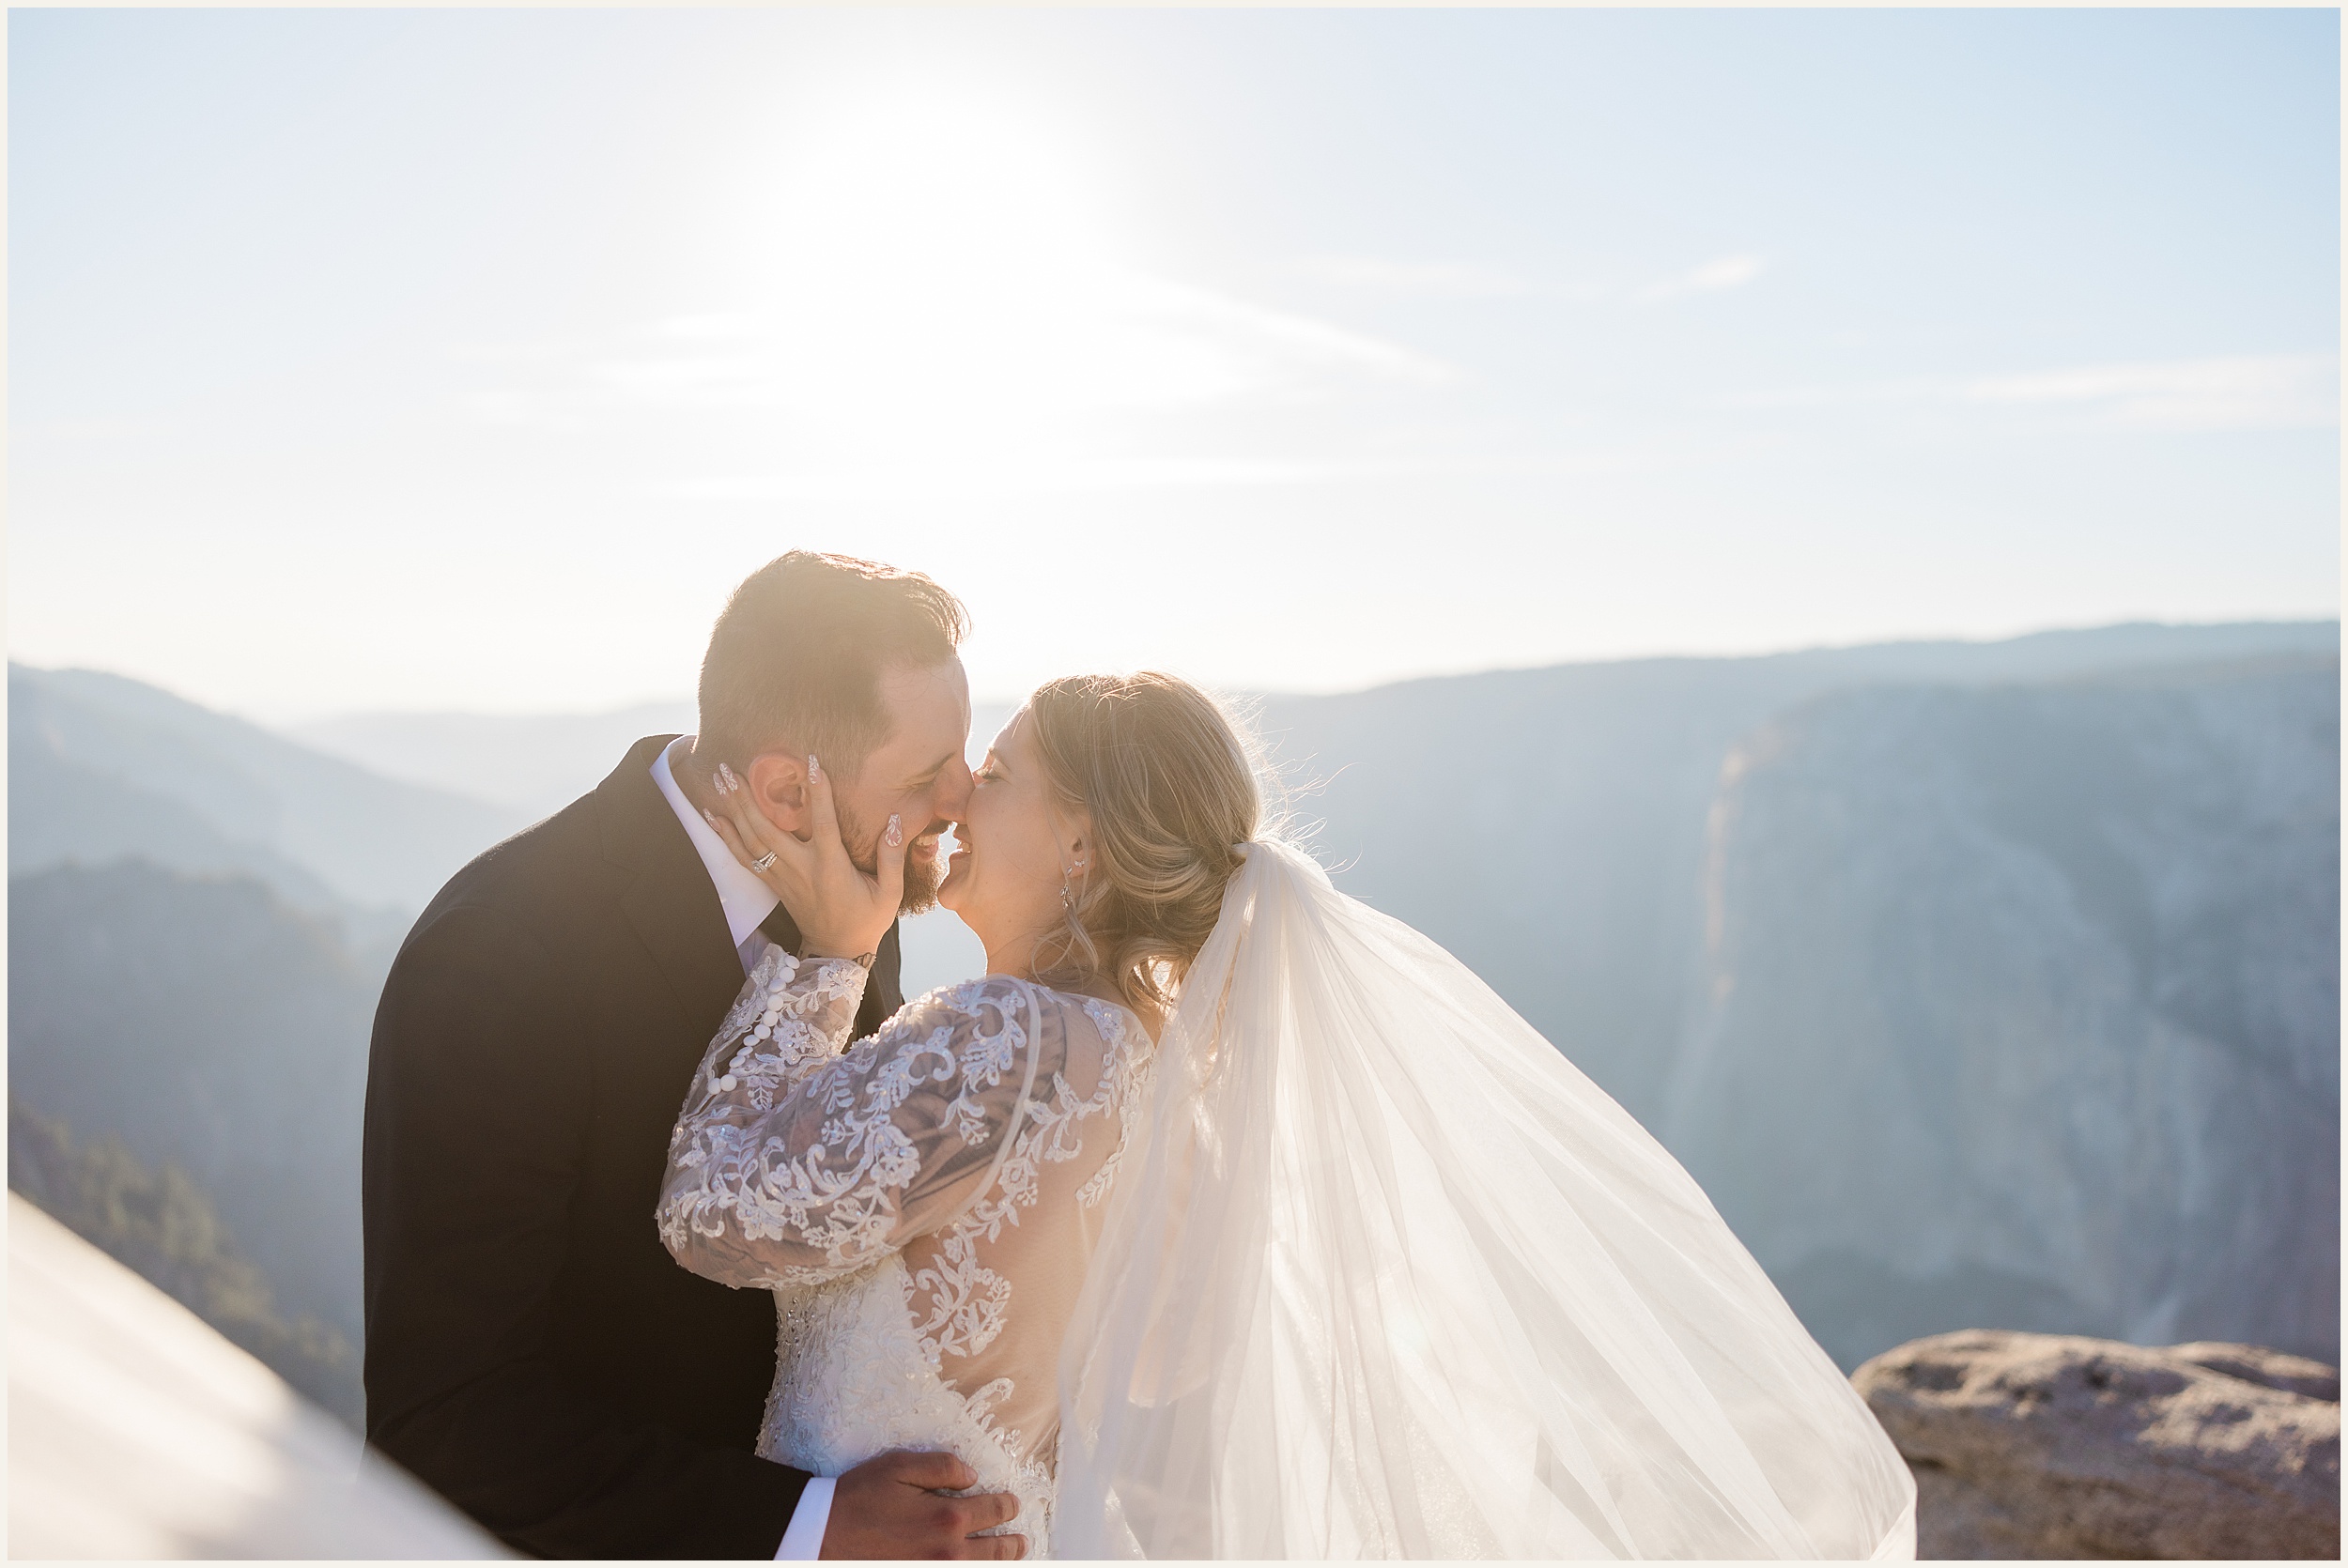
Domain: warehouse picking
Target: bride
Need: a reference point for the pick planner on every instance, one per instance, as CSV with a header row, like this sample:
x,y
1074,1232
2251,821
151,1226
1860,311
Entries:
x,y
1226,1217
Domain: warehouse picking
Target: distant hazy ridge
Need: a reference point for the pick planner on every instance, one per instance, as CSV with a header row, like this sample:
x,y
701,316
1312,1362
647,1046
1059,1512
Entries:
x,y
1983,984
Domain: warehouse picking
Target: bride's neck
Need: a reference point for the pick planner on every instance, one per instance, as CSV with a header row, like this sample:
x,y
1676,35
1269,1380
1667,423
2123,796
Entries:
x,y
1014,956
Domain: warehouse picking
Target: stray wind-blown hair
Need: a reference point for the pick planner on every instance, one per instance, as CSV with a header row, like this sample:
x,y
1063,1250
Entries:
x,y
1170,783
796,657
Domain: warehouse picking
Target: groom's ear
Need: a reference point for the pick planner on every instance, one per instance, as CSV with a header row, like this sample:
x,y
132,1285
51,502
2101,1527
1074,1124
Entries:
x,y
778,783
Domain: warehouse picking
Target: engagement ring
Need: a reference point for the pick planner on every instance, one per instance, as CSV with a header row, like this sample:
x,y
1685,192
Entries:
x,y
763,861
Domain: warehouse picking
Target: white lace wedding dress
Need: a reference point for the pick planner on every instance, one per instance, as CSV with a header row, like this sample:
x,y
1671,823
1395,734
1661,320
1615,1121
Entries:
x,y
1350,1263
924,1206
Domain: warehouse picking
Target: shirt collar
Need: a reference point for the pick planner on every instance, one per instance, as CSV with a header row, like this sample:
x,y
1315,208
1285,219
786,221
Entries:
x,y
746,899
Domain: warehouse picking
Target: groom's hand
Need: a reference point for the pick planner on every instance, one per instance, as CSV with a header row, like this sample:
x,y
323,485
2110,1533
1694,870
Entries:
x,y
892,1506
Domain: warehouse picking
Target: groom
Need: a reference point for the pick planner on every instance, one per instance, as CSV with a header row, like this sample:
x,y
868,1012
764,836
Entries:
x,y
532,1351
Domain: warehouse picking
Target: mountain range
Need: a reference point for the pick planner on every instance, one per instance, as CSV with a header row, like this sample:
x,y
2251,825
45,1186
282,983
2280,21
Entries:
x,y
1983,984
101,767
2062,960
531,763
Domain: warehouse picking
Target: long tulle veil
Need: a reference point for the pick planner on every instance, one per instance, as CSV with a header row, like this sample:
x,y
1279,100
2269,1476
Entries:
x,y
1384,1275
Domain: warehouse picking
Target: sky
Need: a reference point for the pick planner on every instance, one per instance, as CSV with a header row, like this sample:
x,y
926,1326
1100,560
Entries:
x,y
465,360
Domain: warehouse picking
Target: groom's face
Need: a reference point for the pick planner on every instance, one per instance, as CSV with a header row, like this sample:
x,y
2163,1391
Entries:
x,y
918,774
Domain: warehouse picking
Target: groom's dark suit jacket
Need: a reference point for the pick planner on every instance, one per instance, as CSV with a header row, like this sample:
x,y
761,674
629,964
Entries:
x,y
533,1351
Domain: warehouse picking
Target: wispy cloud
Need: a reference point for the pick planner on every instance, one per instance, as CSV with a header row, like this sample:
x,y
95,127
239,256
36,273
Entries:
x,y
1046,348
1073,380
1845,394
1021,475
1013,477
2247,392
2240,392
1726,273
1431,279
62,432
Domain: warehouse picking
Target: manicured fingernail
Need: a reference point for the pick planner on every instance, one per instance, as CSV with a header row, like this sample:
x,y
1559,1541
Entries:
x,y
725,777
708,816
896,833
813,767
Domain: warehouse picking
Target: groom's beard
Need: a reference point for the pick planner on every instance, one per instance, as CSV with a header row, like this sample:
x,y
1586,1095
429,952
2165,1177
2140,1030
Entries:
x,y
922,877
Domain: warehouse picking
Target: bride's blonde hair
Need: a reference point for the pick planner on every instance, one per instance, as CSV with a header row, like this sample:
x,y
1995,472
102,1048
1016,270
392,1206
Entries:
x,y
1169,779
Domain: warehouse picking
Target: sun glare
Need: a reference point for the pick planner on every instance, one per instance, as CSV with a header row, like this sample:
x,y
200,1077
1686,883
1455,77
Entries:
x,y
917,170
939,280
934,291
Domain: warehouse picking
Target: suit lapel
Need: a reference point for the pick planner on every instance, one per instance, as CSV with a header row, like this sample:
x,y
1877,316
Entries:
x,y
886,994
669,900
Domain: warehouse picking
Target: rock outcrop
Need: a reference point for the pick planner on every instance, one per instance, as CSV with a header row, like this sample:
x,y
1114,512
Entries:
x,y
2022,1007
2054,1446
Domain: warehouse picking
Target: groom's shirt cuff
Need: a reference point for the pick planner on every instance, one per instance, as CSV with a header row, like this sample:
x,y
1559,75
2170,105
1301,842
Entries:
x,y
804,1540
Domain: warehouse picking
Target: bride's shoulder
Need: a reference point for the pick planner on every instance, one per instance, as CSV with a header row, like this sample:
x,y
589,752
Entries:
x,y
1094,1024
992,1000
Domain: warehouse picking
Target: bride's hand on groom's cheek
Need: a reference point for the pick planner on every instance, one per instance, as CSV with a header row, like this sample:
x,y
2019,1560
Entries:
x,y
841,911
890,1507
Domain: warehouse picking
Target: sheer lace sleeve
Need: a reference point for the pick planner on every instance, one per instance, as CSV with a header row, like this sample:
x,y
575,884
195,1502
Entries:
x,y
792,1016
798,1171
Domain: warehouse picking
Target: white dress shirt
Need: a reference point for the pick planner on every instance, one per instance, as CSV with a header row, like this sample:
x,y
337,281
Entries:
x,y
746,901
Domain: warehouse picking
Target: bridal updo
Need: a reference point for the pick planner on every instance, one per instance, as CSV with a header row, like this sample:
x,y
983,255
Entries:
x,y
1170,783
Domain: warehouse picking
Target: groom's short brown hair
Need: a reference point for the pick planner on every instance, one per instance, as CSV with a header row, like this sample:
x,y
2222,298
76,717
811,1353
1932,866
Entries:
x,y
797,657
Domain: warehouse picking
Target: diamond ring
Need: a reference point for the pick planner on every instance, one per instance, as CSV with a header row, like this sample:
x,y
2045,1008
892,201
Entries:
x,y
763,861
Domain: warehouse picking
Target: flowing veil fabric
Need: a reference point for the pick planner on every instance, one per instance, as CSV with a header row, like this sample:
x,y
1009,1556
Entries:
x,y
1385,1276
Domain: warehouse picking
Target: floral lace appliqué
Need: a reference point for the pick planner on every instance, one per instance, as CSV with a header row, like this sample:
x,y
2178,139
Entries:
x,y
959,1304
808,1166
780,1030
744,1168
1125,1077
